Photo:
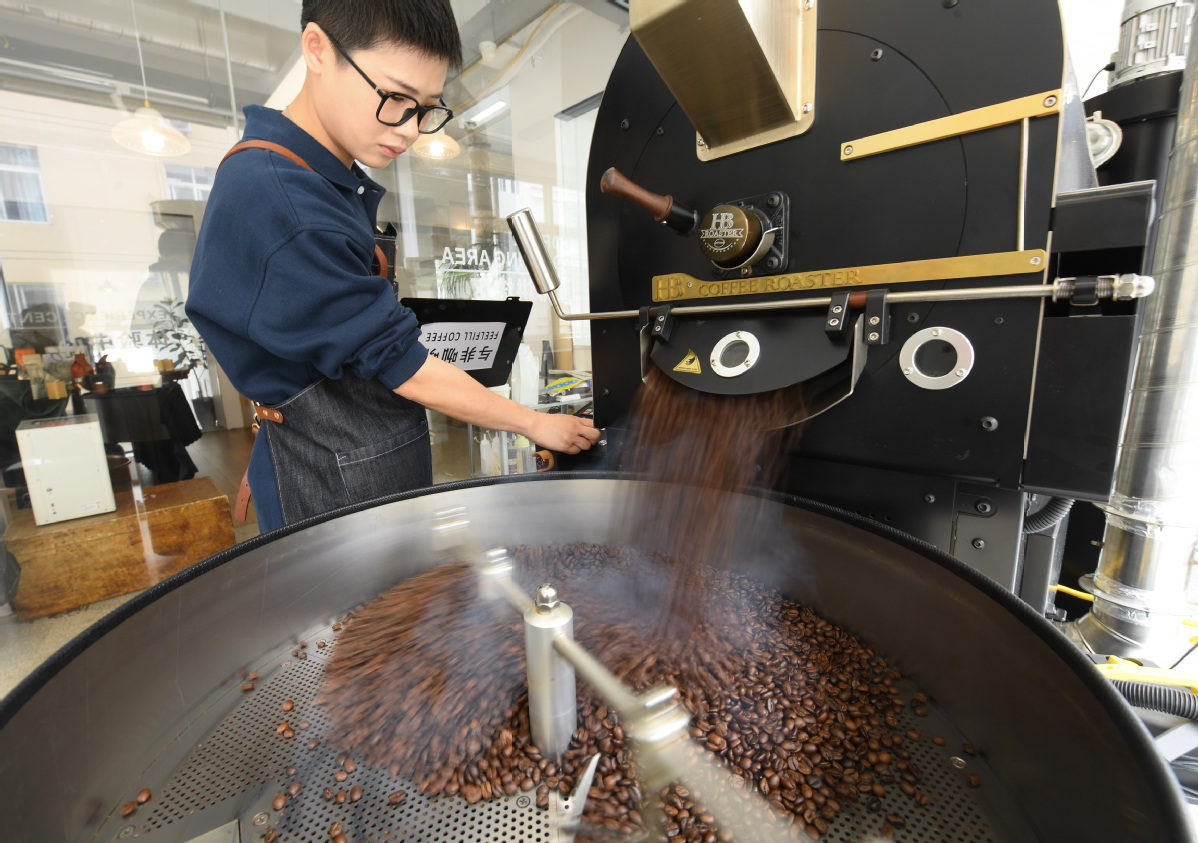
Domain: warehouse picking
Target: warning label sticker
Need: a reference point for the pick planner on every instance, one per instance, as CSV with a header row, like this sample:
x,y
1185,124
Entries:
x,y
690,364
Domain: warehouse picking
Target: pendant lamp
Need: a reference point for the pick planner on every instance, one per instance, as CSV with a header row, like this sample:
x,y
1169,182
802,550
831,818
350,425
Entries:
x,y
146,131
437,147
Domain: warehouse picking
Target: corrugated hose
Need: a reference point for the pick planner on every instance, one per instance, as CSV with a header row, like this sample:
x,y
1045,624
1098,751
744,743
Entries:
x,y
1170,700
1048,515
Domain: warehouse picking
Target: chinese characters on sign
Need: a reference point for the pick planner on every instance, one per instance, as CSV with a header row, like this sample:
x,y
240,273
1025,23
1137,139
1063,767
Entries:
x,y
467,345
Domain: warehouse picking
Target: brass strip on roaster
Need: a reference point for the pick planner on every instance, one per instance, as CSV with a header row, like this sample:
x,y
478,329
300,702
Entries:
x,y
680,286
1012,111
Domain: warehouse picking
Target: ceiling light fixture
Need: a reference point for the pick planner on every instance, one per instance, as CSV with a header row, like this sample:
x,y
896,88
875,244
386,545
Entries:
x,y
146,131
437,147
483,115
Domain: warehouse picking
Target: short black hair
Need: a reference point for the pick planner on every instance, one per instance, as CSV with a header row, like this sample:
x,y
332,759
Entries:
x,y
427,26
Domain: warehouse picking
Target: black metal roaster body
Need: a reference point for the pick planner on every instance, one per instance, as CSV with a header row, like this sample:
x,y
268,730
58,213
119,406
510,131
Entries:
x,y
880,66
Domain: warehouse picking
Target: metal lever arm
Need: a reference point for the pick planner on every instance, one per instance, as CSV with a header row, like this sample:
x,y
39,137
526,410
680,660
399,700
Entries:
x,y
540,267
654,719
658,724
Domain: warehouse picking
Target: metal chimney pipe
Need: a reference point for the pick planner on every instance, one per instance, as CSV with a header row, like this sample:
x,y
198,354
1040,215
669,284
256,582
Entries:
x,y
1152,518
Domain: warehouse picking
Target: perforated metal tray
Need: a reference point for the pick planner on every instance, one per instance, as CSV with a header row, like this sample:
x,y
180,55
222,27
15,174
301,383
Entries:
x,y
241,764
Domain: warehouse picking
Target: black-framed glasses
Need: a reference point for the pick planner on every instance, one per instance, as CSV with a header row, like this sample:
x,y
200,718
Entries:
x,y
395,109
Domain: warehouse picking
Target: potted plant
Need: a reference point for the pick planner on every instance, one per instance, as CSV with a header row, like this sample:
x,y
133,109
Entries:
x,y
176,338
456,283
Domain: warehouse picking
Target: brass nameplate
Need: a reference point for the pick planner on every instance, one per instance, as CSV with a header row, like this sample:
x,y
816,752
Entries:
x,y
1012,111
679,286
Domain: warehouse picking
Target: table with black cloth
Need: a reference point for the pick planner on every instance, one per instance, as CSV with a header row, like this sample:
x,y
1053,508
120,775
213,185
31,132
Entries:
x,y
16,405
158,422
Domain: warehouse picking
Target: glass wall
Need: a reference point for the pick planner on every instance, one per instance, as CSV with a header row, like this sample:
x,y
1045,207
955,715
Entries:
x,y
96,238
101,202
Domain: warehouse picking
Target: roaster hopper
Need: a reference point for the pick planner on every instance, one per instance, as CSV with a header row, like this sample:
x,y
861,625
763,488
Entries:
x,y
150,697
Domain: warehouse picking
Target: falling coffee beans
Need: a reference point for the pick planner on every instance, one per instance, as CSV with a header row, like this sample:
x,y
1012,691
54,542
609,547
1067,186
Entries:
x,y
288,705
143,796
278,802
128,808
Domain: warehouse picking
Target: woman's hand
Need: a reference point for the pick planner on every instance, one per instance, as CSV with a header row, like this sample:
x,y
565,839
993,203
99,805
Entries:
x,y
564,433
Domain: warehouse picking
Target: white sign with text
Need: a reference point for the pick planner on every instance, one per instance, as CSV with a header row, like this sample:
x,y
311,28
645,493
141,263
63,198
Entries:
x,y
467,345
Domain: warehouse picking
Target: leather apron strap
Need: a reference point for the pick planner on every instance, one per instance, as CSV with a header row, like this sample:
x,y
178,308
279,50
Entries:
x,y
379,255
261,144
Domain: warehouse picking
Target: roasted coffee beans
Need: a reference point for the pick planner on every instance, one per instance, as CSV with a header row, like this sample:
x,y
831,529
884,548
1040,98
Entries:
x,y
429,682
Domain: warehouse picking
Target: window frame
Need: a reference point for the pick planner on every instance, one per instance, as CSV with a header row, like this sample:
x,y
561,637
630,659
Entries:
x,y
173,182
36,172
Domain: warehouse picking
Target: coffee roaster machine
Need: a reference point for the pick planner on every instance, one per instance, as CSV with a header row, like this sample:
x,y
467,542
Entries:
x,y
905,221
925,244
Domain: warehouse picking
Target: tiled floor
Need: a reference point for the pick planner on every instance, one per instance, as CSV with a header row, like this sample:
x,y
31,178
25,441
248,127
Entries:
x,y
222,456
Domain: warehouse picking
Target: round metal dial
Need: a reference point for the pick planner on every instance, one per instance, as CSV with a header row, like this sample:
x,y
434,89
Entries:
x,y
729,234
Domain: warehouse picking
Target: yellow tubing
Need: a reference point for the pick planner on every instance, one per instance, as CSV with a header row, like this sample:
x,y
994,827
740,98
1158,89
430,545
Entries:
x,y
1064,589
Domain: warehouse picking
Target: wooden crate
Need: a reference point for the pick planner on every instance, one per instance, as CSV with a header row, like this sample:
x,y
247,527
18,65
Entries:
x,y
74,563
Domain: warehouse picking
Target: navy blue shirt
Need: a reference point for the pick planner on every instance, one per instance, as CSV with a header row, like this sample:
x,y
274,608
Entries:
x,y
281,286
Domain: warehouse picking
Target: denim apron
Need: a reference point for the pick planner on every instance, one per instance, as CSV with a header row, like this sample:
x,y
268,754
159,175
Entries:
x,y
344,441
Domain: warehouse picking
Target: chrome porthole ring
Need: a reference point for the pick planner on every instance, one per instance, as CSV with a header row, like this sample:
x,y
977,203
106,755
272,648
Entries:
x,y
959,372
735,354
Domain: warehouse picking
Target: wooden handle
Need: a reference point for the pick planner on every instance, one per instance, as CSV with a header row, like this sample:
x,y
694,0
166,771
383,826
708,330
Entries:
x,y
618,184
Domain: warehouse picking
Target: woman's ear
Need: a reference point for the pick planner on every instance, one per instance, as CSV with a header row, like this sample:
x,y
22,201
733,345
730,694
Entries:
x,y
318,52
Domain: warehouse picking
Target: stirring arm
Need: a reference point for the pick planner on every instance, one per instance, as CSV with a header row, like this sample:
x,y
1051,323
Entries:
x,y
657,723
